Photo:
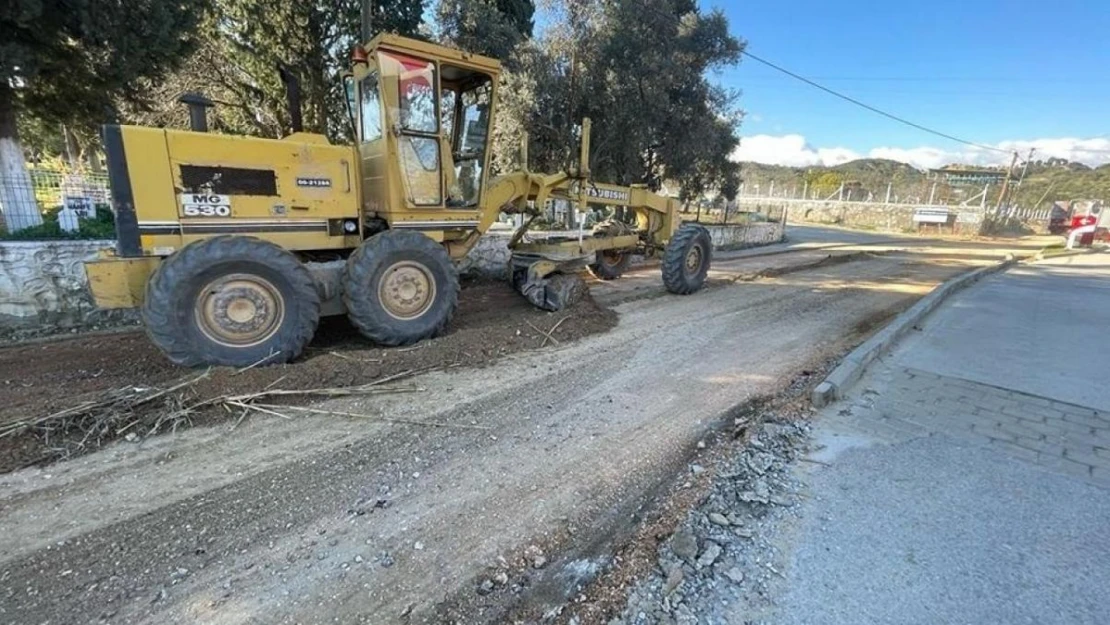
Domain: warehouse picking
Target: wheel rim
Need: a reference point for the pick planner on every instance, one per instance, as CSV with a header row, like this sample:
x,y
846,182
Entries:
x,y
693,259
407,290
239,310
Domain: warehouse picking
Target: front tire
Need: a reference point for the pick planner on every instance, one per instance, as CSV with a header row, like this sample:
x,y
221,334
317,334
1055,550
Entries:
x,y
687,258
400,287
231,300
610,264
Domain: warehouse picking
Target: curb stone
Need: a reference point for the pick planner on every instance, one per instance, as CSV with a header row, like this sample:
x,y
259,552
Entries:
x,y
851,368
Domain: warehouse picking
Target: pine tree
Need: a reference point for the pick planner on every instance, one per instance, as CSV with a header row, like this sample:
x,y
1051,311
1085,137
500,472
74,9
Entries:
x,y
67,61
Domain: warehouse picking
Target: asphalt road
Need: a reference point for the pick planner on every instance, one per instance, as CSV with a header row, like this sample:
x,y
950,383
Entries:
x,y
343,520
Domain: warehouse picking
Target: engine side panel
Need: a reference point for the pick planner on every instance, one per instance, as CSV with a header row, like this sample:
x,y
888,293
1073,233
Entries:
x,y
299,192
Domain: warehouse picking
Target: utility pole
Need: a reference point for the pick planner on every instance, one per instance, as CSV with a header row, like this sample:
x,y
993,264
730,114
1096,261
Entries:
x,y
1006,182
367,20
1025,167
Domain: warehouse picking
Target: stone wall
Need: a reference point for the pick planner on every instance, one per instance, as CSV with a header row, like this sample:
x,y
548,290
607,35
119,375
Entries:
x,y
43,284
865,215
490,257
734,237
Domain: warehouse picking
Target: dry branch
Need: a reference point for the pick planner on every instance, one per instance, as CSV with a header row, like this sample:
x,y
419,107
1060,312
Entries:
x,y
123,411
547,335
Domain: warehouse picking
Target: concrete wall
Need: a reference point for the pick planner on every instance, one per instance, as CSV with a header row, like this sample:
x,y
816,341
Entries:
x,y
43,284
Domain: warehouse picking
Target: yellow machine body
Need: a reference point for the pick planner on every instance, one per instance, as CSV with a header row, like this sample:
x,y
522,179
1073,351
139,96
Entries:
x,y
422,115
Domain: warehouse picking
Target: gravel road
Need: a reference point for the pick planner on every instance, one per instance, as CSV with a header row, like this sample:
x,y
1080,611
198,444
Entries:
x,y
537,465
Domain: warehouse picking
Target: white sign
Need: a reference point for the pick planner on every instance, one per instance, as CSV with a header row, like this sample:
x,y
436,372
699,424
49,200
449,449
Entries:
x,y
931,215
969,217
80,205
205,205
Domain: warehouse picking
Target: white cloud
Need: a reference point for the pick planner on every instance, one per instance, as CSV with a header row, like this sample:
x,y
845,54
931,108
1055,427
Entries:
x,y
795,151
789,150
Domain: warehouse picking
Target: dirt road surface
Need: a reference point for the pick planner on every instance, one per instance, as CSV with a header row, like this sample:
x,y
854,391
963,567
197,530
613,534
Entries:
x,y
536,465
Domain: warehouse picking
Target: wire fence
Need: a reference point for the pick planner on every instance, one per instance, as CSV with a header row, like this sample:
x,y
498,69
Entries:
x,y
765,203
954,192
60,200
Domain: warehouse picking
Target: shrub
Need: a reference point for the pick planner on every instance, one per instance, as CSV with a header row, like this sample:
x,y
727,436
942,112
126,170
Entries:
x,y
101,226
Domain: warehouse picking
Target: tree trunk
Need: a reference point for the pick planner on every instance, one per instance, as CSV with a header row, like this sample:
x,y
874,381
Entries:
x,y
17,197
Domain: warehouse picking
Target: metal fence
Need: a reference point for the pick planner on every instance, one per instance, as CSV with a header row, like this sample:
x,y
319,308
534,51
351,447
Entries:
x,y
47,192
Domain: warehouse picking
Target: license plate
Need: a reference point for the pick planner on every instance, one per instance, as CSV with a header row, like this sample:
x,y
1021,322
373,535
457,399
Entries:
x,y
205,205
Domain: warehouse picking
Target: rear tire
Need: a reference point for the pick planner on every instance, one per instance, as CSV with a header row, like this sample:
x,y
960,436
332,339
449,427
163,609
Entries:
x,y
231,300
687,258
400,287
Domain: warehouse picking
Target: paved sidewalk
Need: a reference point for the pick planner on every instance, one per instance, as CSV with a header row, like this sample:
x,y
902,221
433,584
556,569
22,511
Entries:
x,y
966,477
1059,436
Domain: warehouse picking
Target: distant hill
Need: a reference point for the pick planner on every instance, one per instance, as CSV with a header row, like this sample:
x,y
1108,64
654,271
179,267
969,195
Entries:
x,y
1055,179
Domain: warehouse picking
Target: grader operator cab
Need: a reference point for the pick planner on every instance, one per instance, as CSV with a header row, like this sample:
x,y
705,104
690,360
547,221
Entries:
x,y
235,246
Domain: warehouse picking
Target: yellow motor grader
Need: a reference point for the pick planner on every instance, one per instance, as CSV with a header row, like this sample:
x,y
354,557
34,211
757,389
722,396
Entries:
x,y
235,246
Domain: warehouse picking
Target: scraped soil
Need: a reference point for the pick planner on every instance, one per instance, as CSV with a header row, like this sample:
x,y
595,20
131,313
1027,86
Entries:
x,y
43,378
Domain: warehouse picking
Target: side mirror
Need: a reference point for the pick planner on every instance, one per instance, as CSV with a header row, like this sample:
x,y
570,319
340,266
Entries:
x,y
352,103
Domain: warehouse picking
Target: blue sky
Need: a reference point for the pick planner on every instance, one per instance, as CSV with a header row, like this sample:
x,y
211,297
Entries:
x,y
1016,74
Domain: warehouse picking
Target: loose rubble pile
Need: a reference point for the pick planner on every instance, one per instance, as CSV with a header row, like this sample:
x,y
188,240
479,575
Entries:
x,y
719,564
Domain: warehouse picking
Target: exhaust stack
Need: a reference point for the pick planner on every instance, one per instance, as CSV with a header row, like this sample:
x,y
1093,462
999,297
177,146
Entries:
x,y
198,110
293,96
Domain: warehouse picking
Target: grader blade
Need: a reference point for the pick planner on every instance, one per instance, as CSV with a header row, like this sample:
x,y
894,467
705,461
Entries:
x,y
555,292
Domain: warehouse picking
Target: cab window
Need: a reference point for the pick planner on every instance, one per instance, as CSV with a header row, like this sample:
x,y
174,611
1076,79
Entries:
x,y
370,109
417,94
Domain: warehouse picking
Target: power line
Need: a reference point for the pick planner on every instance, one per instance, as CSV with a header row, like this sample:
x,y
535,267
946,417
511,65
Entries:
x,y
677,20
837,94
873,109
977,79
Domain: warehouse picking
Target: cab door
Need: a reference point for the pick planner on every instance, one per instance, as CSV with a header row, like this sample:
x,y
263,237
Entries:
x,y
368,117
413,114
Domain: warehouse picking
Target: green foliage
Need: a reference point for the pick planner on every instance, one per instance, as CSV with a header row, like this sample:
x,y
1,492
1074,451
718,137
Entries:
x,y
638,69
39,139
1063,181
823,183
101,226
247,40
69,60
489,27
